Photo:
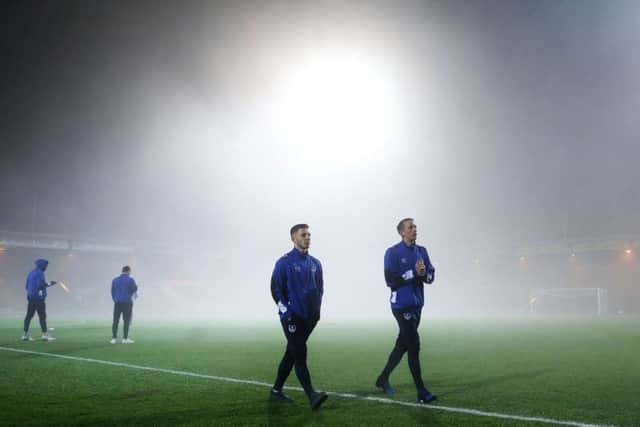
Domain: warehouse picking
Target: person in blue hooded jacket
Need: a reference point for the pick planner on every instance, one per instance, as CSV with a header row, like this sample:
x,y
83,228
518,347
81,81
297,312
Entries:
x,y
123,290
36,287
407,268
297,287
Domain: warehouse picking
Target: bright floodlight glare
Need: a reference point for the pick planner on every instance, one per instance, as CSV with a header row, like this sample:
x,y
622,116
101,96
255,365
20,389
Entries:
x,y
337,108
627,251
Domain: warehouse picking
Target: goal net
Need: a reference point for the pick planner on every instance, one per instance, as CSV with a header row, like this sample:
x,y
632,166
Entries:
x,y
576,301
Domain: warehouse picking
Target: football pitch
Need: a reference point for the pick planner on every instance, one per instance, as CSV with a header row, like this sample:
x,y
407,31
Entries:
x,y
489,372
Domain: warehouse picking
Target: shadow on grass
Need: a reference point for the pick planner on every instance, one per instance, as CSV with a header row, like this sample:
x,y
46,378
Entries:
x,y
464,386
455,385
299,413
277,414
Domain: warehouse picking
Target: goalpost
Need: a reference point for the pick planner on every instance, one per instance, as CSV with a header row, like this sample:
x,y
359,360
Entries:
x,y
577,301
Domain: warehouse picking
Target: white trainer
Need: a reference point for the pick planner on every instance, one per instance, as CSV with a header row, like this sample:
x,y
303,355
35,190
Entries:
x,y
47,337
113,341
26,338
127,341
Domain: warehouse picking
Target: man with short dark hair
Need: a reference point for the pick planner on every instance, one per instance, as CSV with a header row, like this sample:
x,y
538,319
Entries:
x,y
123,290
407,268
36,288
297,288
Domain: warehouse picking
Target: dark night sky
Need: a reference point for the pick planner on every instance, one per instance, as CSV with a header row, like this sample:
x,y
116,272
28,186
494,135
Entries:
x,y
527,112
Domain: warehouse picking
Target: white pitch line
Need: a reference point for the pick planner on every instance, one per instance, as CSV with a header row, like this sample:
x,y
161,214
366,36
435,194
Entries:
x,y
466,411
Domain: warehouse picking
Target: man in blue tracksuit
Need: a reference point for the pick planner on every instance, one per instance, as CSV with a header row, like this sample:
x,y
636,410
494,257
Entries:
x,y
297,288
123,290
407,268
36,288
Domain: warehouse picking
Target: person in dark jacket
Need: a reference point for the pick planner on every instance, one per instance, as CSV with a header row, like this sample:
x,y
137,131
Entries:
x,y
297,288
407,268
123,291
36,288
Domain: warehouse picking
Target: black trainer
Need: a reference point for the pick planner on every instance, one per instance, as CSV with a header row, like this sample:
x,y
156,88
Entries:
x,y
317,399
384,386
279,396
426,397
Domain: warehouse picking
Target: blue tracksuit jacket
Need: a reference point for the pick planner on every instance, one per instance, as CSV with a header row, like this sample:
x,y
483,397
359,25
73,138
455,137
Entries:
x,y
37,285
297,285
122,288
407,288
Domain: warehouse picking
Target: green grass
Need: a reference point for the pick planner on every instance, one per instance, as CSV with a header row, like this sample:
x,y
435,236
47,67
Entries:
x,y
568,369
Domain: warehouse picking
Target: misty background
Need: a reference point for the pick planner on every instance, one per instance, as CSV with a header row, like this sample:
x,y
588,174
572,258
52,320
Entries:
x,y
186,138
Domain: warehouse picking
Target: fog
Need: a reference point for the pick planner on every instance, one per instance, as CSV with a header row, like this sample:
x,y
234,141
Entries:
x,y
185,139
